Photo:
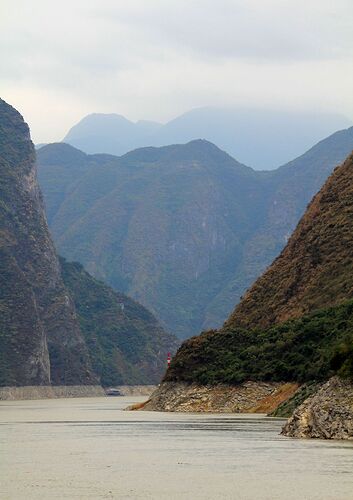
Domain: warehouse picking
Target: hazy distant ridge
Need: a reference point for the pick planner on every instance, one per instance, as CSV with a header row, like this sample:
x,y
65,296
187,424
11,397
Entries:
x,y
260,138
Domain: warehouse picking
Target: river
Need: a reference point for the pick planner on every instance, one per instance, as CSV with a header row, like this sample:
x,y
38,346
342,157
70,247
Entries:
x,y
91,448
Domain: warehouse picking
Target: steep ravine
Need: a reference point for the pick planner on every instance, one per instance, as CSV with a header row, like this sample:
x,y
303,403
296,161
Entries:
x,y
126,343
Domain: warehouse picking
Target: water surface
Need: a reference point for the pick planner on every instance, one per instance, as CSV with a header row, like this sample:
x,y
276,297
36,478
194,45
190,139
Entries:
x,y
91,448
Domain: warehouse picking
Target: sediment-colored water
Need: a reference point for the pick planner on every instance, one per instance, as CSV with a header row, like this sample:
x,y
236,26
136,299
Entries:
x,y
91,448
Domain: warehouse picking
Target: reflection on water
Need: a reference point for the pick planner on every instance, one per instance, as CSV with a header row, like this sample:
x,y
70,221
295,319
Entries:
x,y
90,448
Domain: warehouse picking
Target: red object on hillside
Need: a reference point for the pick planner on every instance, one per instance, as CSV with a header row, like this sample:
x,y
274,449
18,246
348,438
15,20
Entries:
x,y
169,358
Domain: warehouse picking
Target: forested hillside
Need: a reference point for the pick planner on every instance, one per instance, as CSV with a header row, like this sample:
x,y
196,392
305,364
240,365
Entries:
x,y
296,322
126,344
183,229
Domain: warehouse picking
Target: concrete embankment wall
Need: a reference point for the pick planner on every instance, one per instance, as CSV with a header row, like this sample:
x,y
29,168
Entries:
x,y
47,392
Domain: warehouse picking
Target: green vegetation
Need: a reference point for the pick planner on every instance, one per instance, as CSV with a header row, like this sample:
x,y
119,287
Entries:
x,y
296,321
125,342
313,347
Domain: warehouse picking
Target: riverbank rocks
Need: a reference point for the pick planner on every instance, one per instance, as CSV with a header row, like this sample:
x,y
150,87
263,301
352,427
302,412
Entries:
x,y
328,414
249,397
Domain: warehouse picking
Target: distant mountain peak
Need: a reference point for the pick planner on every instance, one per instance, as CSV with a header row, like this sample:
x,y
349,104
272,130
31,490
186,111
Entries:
x,y
104,116
263,139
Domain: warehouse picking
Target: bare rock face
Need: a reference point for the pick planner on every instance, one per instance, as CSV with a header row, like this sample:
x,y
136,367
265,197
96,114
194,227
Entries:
x,y
328,414
250,397
40,338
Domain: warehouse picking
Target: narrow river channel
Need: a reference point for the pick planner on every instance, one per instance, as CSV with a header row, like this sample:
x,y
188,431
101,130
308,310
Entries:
x,y
91,448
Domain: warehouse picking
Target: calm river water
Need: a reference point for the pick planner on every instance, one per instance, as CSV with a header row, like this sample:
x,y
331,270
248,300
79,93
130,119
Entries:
x,y
91,448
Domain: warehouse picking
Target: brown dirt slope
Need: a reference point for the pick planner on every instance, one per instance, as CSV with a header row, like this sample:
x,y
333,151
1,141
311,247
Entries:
x,y
315,269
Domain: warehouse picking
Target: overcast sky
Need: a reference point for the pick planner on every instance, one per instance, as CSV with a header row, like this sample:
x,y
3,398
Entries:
x,y
153,59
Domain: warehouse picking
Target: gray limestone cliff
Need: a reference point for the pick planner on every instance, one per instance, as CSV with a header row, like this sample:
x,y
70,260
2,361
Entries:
x,y
40,338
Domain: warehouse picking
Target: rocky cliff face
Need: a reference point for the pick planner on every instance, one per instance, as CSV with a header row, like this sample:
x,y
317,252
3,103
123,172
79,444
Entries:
x,y
328,414
40,338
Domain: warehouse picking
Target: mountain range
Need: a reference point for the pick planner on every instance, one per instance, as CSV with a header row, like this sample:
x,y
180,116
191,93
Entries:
x,y
58,325
295,322
263,139
183,229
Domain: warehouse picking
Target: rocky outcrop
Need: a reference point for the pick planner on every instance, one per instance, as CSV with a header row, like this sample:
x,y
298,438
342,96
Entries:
x,y
328,414
286,409
58,325
40,337
250,397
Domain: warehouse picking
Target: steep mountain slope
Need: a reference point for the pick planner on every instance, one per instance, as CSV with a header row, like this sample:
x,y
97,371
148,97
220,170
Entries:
x,y
60,167
295,323
316,267
183,229
263,139
54,332
40,338
125,342
162,225
294,326
289,189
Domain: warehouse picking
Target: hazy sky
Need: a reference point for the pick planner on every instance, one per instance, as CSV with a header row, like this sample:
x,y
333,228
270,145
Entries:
x,y
150,59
